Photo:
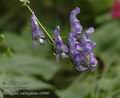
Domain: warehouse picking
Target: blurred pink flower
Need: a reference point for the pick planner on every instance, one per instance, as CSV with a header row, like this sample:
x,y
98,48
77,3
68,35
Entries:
x,y
116,9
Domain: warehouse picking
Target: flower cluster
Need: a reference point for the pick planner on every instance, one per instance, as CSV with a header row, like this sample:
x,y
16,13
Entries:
x,y
79,47
81,50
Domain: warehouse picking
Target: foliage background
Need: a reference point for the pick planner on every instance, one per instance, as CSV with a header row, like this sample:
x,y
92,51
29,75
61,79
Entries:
x,y
36,68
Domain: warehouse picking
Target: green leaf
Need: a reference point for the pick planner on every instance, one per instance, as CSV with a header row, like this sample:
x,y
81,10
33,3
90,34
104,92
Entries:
x,y
12,83
80,88
106,83
100,5
16,42
30,65
23,44
107,40
103,18
1,95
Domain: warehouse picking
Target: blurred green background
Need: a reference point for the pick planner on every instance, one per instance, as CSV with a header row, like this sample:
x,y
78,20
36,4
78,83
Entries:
x,y
36,68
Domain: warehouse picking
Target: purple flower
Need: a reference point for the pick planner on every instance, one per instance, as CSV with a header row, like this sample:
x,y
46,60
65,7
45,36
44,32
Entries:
x,y
77,55
61,49
75,23
87,45
88,33
81,54
80,45
37,34
93,60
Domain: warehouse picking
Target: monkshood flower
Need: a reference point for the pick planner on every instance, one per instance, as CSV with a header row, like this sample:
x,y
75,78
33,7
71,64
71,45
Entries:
x,y
81,48
75,23
61,50
77,56
37,34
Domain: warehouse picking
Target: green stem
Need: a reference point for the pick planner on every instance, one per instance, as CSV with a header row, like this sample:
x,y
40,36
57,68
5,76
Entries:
x,y
41,25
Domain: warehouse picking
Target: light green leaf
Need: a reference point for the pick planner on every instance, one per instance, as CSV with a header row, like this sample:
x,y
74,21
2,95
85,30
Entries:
x,y
16,42
107,40
80,88
1,95
30,65
10,84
